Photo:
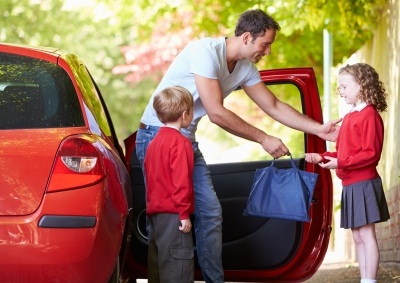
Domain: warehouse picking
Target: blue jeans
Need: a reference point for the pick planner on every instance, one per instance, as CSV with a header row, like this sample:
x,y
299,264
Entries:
x,y
207,210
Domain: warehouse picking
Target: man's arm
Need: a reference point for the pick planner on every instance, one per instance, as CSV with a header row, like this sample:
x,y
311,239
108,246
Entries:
x,y
289,116
212,99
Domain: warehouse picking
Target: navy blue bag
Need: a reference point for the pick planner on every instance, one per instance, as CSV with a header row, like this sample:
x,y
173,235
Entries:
x,y
281,193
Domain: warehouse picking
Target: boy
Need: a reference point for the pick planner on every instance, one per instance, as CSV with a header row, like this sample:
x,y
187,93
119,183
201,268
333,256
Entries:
x,y
168,168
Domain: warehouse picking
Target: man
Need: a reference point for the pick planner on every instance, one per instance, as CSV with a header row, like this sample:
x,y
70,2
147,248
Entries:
x,y
211,68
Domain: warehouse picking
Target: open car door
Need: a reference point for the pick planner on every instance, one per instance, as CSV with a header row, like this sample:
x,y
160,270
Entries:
x,y
257,249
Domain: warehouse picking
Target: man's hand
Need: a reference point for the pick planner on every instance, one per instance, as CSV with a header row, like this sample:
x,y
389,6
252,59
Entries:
x,y
186,226
331,164
274,146
330,130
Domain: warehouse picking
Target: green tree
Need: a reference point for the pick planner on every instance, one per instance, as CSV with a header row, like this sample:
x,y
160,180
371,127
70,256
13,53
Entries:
x,y
95,31
298,44
127,45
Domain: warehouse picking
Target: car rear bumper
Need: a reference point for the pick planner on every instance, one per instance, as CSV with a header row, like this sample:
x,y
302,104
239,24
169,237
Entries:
x,y
74,236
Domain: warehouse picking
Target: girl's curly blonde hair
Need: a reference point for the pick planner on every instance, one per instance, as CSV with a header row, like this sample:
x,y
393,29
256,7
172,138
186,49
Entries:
x,y
372,90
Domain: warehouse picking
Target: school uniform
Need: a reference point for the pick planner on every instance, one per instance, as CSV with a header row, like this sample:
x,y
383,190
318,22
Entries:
x,y
168,167
358,151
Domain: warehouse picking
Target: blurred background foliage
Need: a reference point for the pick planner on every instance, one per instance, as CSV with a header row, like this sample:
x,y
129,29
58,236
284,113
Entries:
x,y
128,45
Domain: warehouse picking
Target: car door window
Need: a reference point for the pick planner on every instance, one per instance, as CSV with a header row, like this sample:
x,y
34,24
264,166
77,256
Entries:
x,y
218,146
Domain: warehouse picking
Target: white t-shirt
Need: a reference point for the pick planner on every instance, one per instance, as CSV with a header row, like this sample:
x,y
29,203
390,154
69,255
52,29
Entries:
x,y
205,57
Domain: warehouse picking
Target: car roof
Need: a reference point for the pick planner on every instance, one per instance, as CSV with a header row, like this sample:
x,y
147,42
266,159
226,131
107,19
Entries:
x,y
47,53
49,50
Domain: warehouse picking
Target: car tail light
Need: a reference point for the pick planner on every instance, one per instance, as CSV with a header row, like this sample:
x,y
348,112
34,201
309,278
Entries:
x,y
78,164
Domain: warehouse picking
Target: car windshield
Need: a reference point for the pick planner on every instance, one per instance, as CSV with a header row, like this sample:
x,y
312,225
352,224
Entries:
x,y
36,94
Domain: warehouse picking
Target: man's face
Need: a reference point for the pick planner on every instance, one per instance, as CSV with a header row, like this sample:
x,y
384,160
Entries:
x,y
261,46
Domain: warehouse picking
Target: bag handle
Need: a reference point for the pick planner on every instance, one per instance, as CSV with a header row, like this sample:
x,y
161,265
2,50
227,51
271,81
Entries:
x,y
291,161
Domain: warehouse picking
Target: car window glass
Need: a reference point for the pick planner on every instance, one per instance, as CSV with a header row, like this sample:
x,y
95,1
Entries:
x,y
92,100
36,94
218,146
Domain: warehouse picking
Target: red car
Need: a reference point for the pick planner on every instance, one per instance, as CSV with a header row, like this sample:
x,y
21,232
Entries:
x,y
65,196
257,249
69,197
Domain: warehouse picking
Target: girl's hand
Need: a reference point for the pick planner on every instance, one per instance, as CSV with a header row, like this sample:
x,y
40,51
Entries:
x,y
186,226
314,158
331,164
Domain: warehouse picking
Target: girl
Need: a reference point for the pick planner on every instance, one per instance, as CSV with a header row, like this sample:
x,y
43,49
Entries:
x,y
358,150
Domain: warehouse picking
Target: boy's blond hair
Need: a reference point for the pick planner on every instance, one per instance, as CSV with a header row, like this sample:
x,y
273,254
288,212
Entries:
x,y
171,102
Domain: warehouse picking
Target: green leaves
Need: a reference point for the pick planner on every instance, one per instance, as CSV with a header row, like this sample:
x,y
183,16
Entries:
x,y
127,44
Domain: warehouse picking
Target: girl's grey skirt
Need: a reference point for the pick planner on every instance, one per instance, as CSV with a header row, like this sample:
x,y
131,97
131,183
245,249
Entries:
x,y
363,203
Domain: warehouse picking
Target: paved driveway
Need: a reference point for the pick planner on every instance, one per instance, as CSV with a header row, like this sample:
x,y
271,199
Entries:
x,y
344,273
388,273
